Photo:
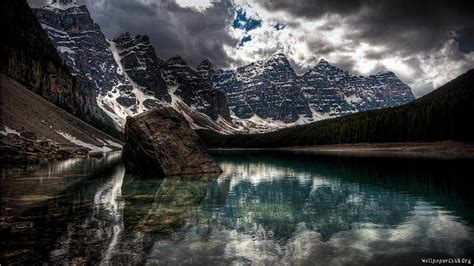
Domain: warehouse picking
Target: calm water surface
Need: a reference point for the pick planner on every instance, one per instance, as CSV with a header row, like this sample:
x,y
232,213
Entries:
x,y
265,209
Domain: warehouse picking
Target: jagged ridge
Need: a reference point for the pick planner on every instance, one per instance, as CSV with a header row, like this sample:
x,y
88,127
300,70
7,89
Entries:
x,y
129,78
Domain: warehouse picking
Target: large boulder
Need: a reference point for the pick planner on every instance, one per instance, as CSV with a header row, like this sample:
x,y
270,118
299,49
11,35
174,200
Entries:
x,y
160,142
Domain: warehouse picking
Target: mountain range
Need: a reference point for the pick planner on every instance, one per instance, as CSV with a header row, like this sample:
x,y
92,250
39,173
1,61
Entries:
x,y
59,71
443,114
124,76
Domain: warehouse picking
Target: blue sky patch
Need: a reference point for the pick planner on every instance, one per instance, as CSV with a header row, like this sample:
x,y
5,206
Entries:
x,y
246,38
465,40
279,26
243,22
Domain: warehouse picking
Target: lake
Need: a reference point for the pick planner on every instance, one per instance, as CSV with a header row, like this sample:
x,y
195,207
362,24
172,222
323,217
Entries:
x,y
267,208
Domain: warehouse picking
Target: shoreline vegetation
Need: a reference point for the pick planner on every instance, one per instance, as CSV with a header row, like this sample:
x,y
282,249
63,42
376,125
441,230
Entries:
x,y
445,150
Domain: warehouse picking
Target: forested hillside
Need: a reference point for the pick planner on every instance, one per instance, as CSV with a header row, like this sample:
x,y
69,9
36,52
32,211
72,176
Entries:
x,y
444,114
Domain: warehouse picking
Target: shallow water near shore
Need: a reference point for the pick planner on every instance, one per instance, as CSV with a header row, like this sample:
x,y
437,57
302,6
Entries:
x,y
266,208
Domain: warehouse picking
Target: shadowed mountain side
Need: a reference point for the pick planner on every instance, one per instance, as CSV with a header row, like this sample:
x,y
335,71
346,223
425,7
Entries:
x,y
45,129
443,114
29,57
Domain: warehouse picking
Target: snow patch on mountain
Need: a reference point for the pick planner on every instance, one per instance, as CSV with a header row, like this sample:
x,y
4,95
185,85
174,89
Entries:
x,y
109,102
125,77
9,131
78,142
199,120
62,4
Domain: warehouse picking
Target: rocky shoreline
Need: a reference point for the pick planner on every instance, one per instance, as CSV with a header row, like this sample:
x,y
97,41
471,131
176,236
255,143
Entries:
x,y
450,150
33,130
16,149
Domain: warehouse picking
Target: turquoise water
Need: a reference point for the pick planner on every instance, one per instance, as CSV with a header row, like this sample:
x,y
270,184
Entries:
x,y
267,208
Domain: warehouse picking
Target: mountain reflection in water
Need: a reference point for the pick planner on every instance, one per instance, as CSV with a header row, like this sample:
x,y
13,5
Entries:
x,y
266,208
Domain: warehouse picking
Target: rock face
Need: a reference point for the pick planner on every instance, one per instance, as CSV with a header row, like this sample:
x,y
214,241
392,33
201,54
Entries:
x,y
195,87
335,92
266,88
270,89
140,62
125,77
29,57
89,56
161,142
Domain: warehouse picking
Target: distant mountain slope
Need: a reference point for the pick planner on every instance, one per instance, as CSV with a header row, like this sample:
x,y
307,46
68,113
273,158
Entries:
x,y
270,89
335,92
139,61
195,90
267,89
444,114
125,75
128,78
87,54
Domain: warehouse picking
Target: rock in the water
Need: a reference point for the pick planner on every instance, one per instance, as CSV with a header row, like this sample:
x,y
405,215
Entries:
x,y
161,142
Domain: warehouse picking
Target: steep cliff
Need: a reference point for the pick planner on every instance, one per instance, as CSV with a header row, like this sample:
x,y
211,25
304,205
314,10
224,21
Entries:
x,y
29,57
265,88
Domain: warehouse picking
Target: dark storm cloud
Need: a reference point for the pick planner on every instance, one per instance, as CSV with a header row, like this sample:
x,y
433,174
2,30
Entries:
x,y
311,8
424,42
412,31
173,30
321,47
406,26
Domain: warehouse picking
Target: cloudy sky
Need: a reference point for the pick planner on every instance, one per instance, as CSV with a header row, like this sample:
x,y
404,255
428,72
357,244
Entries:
x,y
426,43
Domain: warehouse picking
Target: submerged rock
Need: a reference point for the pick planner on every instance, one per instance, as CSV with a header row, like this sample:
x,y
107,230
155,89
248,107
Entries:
x,y
160,142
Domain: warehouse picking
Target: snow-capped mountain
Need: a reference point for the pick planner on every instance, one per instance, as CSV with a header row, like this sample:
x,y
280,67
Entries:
x,y
85,50
139,62
267,89
63,4
334,92
270,89
195,89
125,77
125,74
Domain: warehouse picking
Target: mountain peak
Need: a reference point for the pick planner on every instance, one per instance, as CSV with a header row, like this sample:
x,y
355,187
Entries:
x,y
324,66
385,73
127,37
122,36
176,60
63,4
323,62
143,38
277,57
205,65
